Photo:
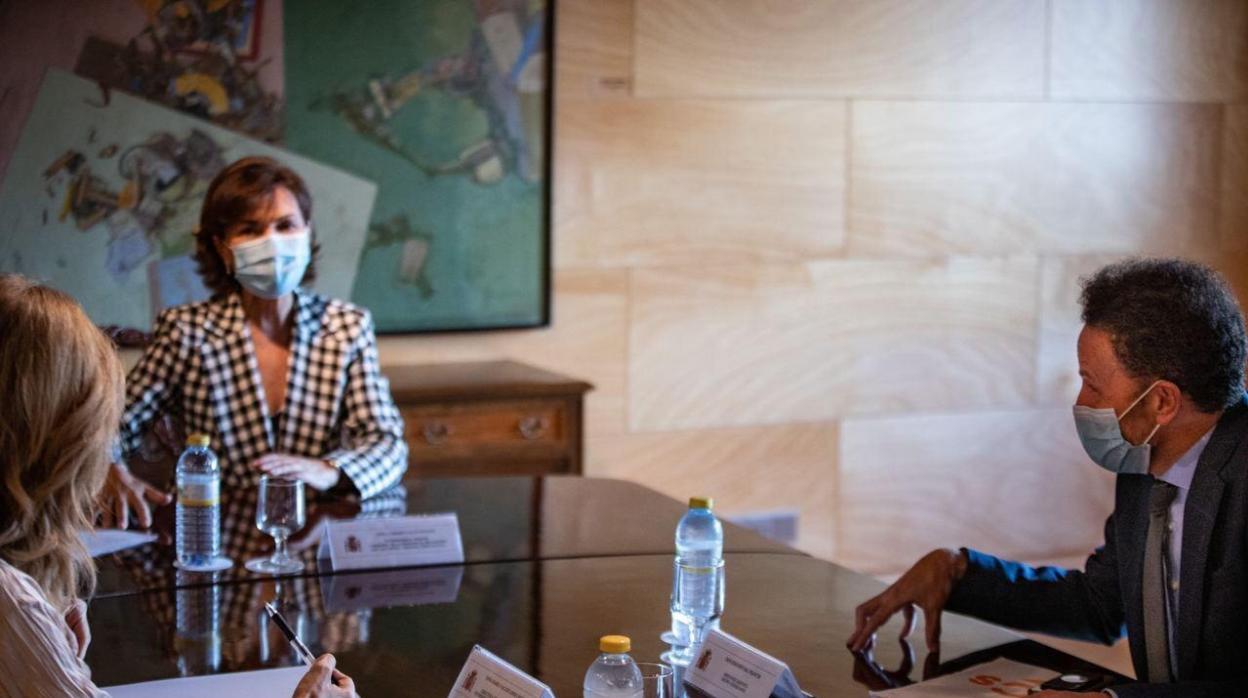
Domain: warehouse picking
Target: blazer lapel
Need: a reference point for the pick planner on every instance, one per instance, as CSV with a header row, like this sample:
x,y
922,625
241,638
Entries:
x,y
1199,516
304,334
237,393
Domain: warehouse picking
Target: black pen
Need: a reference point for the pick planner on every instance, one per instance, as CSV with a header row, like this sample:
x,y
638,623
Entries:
x,y
300,649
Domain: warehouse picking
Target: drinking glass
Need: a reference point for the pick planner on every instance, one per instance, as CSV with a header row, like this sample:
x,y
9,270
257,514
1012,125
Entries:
x,y
279,513
656,680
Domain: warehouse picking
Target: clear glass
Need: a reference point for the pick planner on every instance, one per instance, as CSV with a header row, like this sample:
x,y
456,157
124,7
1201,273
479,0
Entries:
x,y
279,513
656,680
697,605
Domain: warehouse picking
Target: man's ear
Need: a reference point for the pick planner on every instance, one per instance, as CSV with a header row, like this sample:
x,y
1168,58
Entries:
x,y
1166,398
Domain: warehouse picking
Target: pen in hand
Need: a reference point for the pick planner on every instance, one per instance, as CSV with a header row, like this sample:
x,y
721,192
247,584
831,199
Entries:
x,y
300,649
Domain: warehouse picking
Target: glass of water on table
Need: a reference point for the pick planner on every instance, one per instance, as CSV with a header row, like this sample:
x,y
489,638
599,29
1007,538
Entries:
x,y
279,513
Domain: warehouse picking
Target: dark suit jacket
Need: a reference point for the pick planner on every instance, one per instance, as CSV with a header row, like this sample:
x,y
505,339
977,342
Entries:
x,y
1096,604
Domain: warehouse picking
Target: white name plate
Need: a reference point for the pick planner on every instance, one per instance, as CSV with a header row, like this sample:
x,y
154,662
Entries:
x,y
725,667
486,676
402,541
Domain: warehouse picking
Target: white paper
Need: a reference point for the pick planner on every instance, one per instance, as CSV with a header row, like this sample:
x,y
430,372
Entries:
x,y
400,541
726,667
486,676
278,683
1000,677
103,541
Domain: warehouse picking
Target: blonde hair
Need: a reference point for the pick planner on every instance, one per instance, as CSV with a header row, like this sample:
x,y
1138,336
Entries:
x,y
62,387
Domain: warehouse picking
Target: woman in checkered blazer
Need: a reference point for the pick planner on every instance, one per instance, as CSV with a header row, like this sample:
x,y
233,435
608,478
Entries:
x,y
285,381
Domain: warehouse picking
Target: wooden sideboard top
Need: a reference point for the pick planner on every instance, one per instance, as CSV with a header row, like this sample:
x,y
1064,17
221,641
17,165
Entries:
x,y
478,380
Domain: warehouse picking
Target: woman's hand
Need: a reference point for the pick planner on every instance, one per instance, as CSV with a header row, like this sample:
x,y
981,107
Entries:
x,y
124,491
76,619
324,681
317,474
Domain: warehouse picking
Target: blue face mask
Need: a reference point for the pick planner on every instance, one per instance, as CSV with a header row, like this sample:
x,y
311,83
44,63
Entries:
x,y
272,266
1100,431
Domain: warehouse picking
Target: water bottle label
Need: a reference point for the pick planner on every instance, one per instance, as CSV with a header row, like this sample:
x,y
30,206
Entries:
x,y
691,569
199,494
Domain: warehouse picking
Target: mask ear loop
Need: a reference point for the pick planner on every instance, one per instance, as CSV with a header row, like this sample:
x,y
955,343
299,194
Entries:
x,y
1136,402
1150,435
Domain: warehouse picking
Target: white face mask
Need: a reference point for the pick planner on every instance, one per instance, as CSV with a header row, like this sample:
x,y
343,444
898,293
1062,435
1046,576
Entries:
x,y
274,265
1100,432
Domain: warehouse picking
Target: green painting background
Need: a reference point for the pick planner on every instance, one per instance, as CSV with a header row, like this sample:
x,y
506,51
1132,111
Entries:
x,y
487,258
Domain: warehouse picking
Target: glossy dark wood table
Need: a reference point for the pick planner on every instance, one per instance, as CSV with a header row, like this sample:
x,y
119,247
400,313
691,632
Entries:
x,y
407,632
501,519
553,563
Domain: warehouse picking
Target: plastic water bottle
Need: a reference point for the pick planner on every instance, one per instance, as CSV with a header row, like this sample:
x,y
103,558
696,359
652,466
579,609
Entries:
x,y
614,674
198,523
698,575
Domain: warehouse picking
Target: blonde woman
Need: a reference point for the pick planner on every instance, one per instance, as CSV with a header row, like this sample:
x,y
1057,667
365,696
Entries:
x,y
62,385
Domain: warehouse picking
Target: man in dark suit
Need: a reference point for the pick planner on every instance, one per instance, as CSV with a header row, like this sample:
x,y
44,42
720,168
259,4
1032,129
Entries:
x,y
1162,404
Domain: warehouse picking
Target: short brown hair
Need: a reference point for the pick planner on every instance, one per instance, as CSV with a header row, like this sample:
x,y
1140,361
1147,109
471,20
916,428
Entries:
x,y
63,389
236,190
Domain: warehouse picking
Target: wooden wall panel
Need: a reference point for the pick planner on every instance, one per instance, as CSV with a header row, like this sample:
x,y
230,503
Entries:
x,y
728,346
1057,364
1181,50
587,339
1234,221
994,178
696,182
840,48
746,469
1012,483
593,49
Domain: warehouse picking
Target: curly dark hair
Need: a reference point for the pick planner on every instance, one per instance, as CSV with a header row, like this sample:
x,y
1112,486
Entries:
x,y
1174,320
234,192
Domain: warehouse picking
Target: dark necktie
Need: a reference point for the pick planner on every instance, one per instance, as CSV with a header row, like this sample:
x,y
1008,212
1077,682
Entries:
x,y
1156,632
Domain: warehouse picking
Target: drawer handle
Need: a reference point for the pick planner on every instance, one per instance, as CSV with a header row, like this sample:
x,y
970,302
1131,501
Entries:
x,y
533,427
436,433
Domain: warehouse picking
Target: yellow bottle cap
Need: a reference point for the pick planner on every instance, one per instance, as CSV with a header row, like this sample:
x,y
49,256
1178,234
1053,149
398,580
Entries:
x,y
701,503
615,644
198,440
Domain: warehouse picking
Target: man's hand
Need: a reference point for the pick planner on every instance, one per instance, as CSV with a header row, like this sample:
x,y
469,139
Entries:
x,y
76,619
315,473
123,492
927,585
324,681
1059,694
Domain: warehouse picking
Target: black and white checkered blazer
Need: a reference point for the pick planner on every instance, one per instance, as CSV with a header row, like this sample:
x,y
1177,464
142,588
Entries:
x,y
201,369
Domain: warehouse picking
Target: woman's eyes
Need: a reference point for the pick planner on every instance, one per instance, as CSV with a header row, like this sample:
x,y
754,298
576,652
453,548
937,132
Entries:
x,y
257,231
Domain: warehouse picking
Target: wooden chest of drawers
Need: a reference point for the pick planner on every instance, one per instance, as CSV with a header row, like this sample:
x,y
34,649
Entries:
x,y
489,418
